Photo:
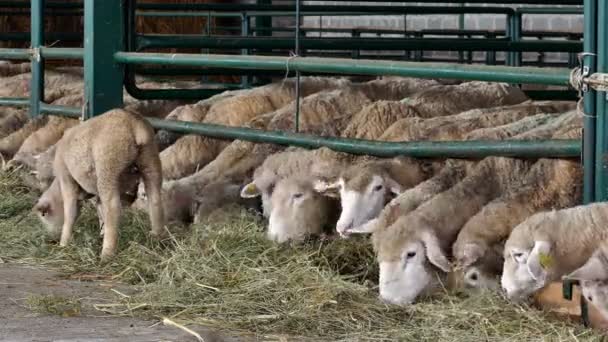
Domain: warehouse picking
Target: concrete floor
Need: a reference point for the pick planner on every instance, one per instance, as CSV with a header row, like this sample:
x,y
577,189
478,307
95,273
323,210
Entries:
x,y
19,323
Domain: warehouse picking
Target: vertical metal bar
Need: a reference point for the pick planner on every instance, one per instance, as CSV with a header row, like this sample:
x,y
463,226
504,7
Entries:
x,y
297,52
516,37
263,22
245,80
37,40
590,46
461,27
601,127
356,53
509,32
103,37
491,55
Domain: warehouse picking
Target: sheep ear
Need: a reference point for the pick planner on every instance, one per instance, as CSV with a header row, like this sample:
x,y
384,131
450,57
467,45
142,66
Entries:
x,y
329,189
539,260
395,188
470,254
250,191
593,269
434,252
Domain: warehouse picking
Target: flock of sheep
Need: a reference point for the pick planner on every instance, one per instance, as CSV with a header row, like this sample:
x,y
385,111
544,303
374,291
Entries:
x,y
493,223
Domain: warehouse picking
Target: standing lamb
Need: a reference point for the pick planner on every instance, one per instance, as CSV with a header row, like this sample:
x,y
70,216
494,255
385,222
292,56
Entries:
x,y
97,158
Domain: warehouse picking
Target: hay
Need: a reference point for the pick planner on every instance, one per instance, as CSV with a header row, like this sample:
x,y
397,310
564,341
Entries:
x,y
223,273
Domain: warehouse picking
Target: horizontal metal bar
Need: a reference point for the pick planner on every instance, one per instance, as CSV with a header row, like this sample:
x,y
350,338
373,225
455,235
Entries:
x,y
15,101
60,53
450,149
409,10
23,36
55,4
17,54
150,41
551,76
48,53
71,112
44,107
551,10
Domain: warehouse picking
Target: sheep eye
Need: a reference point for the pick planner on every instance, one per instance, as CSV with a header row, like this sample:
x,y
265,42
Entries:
x,y
517,255
378,187
590,299
298,195
411,255
473,277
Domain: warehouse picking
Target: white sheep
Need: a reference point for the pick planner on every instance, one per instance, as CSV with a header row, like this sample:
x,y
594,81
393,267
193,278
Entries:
x,y
192,152
364,190
593,279
550,184
549,245
412,252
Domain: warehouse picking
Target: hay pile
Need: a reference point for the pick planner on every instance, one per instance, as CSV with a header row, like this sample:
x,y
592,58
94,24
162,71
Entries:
x,y
223,273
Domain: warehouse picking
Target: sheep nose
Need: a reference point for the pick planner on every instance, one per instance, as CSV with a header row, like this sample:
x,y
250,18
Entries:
x,y
343,230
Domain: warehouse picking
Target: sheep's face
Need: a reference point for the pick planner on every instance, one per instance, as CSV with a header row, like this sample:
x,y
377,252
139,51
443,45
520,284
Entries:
x,y
523,272
593,277
49,210
297,210
481,267
418,271
363,198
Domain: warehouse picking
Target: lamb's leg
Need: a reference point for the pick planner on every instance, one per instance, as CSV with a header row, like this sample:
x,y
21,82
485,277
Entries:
x,y
149,165
109,195
69,192
99,208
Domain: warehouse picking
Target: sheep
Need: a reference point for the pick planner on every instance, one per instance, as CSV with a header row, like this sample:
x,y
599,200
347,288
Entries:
x,y
550,184
12,120
465,96
225,191
593,279
10,144
394,88
411,252
549,245
317,112
456,127
97,157
364,190
191,152
409,200
10,69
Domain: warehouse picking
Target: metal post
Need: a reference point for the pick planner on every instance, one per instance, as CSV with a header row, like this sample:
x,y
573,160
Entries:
x,y
590,47
265,22
245,80
516,37
103,37
601,140
297,52
37,40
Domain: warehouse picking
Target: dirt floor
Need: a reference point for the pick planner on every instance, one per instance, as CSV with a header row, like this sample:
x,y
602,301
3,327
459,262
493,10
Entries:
x,y
19,322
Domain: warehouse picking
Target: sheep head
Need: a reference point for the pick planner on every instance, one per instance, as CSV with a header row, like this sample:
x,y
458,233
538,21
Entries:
x,y
526,269
412,264
593,277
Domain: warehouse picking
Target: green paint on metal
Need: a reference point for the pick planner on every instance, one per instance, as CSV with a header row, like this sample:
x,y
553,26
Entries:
x,y
589,133
37,60
103,32
601,140
67,111
550,76
151,41
264,22
15,101
452,149
15,54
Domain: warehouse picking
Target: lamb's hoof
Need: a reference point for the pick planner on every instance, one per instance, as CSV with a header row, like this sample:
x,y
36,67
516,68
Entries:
x,y
106,257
